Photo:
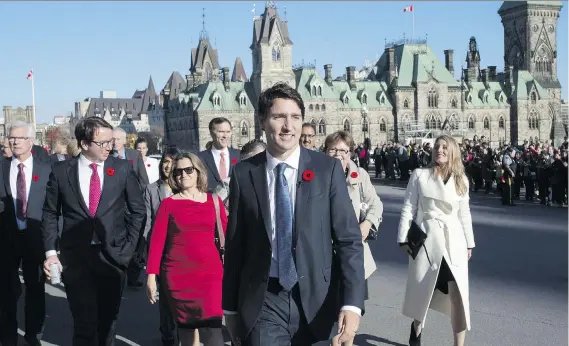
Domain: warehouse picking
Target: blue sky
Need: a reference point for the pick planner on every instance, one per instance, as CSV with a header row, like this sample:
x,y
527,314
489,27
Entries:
x,y
78,49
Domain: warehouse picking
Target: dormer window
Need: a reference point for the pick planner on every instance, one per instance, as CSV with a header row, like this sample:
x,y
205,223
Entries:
x,y
346,99
382,100
216,100
485,97
533,97
501,98
319,90
242,100
364,99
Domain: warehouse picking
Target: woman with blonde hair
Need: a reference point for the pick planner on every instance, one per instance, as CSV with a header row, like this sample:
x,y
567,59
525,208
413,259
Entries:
x,y
436,230
184,253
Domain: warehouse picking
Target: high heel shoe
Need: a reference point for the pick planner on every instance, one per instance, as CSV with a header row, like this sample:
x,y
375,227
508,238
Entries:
x,y
414,339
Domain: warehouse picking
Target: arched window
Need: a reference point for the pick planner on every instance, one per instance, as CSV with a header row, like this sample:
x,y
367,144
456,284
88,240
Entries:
x,y
453,103
471,123
501,122
319,90
313,123
216,100
486,123
311,107
317,107
433,99
322,127
364,99
406,123
382,125
323,107
431,122
244,129
276,52
533,120
405,103
439,125
347,126
365,125
314,90
453,122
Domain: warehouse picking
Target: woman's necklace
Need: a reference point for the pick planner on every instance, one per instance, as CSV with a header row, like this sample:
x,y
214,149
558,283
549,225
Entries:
x,y
192,196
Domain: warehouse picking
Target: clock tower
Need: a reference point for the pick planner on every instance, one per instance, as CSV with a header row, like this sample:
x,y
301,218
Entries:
x,y
271,51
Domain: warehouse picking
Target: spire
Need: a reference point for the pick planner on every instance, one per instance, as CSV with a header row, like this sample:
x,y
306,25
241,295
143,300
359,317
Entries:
x,y
203,34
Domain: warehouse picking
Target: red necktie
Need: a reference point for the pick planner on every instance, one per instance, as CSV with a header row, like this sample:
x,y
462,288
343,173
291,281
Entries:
x,y
21,196
222,167
94,190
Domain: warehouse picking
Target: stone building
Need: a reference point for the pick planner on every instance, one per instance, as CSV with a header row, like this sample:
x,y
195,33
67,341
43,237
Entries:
x,y
407,93
11,115
141,113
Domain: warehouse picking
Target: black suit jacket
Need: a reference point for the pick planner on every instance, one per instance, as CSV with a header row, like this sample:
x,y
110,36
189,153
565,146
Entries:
x,y
213,178
328,243
117,229
135,158
36,196
39,153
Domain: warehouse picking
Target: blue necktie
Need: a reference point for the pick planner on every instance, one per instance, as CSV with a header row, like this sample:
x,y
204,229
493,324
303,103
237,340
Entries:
x,y
283,216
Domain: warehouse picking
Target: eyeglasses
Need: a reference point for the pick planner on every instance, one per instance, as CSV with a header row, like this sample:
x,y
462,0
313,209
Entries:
x,y
338,151
14,139
188,170
104,144
307,136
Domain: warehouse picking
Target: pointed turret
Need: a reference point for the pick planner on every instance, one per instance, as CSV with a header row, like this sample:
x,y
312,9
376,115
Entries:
x,y
239,74
205,62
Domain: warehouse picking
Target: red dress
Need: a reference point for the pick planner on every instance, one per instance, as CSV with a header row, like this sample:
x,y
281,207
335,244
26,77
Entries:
x,y
183,252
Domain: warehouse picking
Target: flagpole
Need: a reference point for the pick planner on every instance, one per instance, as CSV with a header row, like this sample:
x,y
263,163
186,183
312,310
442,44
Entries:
x,y
413,12
33,102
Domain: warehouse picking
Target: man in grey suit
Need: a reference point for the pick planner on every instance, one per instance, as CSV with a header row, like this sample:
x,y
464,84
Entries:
x,y
293,254
135,158
220,158
23,193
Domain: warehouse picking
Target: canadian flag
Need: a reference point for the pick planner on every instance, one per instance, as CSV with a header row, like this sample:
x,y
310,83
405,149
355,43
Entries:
x,y
30,74
408,9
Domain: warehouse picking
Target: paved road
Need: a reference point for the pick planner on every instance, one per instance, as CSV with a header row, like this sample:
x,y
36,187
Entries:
x,y
518,284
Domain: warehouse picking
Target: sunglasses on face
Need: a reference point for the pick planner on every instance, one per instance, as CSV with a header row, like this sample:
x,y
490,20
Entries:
x,y
178,171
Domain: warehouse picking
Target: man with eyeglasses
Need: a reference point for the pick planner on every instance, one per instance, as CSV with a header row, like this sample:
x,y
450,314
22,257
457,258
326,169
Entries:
x,y
23,193
93,193
308,136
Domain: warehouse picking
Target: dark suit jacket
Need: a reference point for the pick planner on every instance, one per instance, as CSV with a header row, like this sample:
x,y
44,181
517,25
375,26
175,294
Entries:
x,y
36,196
53,158
39,153
328,243
213,178
134,157
117,229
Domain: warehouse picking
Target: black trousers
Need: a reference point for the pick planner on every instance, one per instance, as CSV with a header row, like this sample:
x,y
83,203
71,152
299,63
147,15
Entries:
x,y
530,188
138,260
28,251
507,191
94,289
167,324
282,320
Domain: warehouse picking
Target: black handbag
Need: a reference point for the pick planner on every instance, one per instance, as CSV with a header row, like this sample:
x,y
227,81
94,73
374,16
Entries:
x,y
415,240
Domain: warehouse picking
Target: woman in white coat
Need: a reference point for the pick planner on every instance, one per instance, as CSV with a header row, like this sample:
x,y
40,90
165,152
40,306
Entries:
x,y
367,205
437,201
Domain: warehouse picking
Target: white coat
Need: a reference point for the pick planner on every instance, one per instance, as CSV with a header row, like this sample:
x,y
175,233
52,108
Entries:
x,y
445,217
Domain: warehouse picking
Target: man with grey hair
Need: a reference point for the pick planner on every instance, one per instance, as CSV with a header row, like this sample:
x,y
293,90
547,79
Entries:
x,y
23,194
135,158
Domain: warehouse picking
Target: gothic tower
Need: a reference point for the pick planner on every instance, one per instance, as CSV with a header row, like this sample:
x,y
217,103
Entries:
x,y
205,61
530,38
472,62
271,51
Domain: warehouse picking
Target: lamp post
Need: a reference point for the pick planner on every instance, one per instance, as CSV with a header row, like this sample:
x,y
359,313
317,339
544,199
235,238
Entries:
x,y
364,124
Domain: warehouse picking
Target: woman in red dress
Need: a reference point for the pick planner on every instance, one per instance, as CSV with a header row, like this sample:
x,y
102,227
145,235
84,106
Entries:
x,y
183,252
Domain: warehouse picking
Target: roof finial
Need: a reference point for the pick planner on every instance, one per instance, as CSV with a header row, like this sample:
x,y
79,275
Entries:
x,y
285,13
203,34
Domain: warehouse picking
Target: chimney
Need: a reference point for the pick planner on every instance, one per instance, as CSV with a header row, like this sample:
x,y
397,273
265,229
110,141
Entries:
x,y
328,73
492,72
485,78
449,53
391,63
226,78
351,76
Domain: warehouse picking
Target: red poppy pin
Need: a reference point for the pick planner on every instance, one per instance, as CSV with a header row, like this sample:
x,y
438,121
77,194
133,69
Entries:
x,y
32,151
148,164
354,175
131,161
308,175
110,172
233,161
35,178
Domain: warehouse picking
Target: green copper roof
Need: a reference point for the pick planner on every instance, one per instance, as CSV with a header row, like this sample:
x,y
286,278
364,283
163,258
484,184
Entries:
x,y
525,83
478,96
513,4
229,100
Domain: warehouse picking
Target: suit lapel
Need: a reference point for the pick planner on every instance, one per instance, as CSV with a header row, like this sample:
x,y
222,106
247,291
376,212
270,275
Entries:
x,y
260,184
302,191
234,156
108,186
209,161
6,170
73,176
35,187
161,191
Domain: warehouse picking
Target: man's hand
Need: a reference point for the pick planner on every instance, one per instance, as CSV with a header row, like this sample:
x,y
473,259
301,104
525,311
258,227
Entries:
x,y
348,325
469,253
364,229
232,325
48,262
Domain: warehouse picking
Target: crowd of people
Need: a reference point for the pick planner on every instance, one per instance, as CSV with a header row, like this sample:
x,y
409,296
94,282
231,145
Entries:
x,y
272,239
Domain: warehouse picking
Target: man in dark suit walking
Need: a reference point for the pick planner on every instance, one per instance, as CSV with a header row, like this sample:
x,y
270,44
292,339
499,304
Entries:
x,y
220,158
135,158
23,193
94,193
293,252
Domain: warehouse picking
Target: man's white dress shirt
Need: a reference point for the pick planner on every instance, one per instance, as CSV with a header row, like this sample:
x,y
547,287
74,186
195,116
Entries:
x,y
217,157
85,172
14,170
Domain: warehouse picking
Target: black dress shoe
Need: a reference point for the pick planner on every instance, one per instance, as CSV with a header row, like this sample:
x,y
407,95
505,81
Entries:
x,y
414,339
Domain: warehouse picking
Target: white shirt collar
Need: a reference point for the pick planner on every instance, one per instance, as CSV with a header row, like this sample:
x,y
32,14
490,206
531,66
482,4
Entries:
x,y
292,161
87,163
27,163
217,152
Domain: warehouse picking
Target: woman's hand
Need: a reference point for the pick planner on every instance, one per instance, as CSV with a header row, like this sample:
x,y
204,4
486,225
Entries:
x,y
364,229
405,248
469,254
151,288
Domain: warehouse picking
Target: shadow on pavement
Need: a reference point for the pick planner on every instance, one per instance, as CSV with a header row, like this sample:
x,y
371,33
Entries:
x,y
365,340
